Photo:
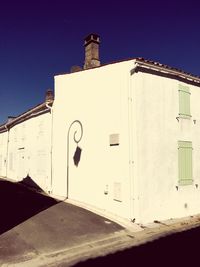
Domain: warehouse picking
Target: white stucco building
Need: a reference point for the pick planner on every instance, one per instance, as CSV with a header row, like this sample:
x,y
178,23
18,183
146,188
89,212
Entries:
x,y
25,145
122,137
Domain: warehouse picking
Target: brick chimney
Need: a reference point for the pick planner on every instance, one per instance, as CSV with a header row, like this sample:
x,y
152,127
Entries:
x,y
49,95
91,51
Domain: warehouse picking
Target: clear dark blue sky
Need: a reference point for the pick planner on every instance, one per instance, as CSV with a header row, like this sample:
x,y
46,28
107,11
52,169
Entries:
x,y
39,39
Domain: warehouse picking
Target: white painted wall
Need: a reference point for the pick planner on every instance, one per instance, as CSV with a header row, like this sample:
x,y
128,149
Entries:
x,y
99,99
3,152
142,108
141,173
156,106
29,151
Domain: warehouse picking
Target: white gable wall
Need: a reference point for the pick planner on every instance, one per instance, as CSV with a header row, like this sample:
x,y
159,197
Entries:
x,y
99,99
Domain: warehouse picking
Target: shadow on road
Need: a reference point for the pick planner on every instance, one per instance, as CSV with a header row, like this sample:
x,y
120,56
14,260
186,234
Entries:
x,y
180,248
18,203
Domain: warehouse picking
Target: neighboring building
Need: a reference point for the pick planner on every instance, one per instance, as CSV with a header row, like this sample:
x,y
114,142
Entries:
x,y
25,143
125,139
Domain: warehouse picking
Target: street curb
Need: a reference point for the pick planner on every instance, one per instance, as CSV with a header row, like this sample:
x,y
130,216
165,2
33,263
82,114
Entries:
x,y
73,254
118,241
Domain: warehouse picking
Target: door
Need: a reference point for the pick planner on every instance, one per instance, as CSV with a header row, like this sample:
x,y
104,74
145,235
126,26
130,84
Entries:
x,y
21,164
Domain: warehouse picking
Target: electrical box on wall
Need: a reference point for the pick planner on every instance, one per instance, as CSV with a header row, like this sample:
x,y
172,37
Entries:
x,y
114,139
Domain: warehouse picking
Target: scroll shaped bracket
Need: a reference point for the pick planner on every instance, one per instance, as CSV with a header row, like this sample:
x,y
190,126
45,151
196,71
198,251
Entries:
x,y
77,138
77,155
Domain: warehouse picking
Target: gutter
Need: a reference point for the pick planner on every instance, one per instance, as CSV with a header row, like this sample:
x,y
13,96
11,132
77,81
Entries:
x,y
161,68
49,107
26,115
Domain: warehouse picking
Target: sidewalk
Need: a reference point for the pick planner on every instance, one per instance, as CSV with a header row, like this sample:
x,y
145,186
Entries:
x,y
47,232
115,242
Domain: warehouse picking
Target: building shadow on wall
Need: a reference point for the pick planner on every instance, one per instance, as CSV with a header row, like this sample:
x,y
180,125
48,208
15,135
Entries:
x,y
18,202
177,249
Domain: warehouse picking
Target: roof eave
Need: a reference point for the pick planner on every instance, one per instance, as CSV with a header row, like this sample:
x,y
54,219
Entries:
x,y
165,69
45,106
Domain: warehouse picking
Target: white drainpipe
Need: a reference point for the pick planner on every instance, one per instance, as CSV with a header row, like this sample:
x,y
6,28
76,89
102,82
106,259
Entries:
x,y
51,149
6,127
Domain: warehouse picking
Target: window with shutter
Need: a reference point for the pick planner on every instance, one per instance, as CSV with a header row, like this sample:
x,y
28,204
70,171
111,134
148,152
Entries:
x,y
185,162
184,101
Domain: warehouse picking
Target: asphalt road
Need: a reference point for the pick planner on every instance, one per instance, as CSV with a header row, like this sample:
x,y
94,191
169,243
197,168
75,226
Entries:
x,y
33,225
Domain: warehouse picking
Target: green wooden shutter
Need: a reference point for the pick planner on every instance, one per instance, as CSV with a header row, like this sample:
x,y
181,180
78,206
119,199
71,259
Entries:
x,y
184,101
185,162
